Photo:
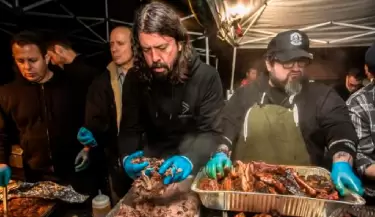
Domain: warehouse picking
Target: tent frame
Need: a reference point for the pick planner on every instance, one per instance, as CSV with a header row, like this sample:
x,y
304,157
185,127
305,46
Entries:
x,y
238,42
99,20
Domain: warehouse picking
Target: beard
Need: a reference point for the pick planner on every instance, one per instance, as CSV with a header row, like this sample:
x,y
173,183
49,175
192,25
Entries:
x,y
161,71
292,84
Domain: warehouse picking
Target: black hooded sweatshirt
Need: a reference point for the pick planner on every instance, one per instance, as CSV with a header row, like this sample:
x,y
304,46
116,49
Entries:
x,y
176,119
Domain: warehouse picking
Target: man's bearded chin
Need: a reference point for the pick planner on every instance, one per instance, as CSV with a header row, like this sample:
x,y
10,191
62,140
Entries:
x,y
291,86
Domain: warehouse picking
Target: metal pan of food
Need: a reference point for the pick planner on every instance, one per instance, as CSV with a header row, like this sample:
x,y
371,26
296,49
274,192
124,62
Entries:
x,y
30,207
308,190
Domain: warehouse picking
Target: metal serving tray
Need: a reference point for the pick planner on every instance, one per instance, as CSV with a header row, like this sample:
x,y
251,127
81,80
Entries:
x,y
288,205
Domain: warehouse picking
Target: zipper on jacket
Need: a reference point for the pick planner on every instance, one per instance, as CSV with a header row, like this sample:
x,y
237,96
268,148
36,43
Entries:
x,y
47,124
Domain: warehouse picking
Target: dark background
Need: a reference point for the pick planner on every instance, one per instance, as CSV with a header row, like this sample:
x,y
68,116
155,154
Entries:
x,y
329,63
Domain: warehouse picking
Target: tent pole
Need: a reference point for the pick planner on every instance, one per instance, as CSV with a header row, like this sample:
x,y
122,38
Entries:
x,y
9,5
36,4
106,20
196,39
207,52
194,33
120,22
233,68
352,37
82,23
187,17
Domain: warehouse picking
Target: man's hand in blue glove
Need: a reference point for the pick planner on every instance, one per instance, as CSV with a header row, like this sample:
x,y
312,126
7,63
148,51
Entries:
x,y
134,170
216,165
86,138
5,174
343,177
180,167
82,160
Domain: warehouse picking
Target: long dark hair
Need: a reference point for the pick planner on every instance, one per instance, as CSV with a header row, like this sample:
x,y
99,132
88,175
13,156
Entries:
x,y
159,18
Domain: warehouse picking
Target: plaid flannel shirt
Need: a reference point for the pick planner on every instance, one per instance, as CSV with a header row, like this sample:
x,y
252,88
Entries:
x,y
361,107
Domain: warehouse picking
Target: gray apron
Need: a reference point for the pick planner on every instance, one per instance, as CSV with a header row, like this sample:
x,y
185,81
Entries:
x,y
271,134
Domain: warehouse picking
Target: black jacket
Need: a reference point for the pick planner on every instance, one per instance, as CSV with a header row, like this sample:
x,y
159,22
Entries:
x,y
176,119
324,118
46,120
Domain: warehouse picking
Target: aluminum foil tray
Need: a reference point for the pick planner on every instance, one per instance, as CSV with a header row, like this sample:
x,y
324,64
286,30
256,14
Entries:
x,y
288,205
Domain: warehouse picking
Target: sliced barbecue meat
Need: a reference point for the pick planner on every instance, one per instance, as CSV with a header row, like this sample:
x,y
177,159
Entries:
x,y
209,184
268,178
27,207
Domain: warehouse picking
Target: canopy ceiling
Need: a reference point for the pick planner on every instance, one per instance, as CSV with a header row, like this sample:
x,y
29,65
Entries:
x,y
329,23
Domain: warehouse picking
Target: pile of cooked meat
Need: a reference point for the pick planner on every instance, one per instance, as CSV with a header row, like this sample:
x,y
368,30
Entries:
x,y
272,213
148,185
148,188
27,207
185,206
272,179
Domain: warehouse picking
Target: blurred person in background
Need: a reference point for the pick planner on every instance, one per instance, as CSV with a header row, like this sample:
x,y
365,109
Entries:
x,y
176,100
362,113
284,119
104,106
66,58
251,75
353,82
39,106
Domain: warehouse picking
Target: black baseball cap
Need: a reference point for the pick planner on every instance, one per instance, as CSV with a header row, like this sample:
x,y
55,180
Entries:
x,y
289,45
370,58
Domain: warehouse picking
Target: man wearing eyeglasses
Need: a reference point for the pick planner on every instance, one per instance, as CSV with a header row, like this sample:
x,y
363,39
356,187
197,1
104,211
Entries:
x,y
283,119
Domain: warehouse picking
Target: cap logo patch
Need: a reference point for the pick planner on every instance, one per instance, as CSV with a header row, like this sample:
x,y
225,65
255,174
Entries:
x,y
296,39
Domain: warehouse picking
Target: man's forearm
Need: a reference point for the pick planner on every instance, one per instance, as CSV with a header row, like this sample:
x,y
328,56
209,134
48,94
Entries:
x,y
342,156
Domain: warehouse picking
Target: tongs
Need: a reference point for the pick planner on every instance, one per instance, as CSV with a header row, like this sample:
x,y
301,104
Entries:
x,y
5,201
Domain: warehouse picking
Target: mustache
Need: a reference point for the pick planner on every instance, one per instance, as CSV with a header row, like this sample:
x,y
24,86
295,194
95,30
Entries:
x,y
156,65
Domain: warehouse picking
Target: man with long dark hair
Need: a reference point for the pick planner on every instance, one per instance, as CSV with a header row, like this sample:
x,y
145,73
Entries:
x,y
176,100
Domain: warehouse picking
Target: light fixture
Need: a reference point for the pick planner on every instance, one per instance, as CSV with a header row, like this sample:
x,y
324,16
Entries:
x,y
233,14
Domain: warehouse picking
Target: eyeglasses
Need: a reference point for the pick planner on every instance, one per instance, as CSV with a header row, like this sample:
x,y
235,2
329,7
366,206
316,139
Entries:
x,y
302,63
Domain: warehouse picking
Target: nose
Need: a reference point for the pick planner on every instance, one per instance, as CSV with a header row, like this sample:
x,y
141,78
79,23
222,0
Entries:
x,y
113,49
154,56
27,65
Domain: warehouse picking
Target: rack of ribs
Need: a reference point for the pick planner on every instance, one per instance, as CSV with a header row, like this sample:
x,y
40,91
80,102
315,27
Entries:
x,y
273,179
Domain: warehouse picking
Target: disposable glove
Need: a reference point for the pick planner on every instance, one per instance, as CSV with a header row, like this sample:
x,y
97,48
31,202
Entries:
x,y
134,170
82,160
217,164
5,174
86,138
343,177
180,166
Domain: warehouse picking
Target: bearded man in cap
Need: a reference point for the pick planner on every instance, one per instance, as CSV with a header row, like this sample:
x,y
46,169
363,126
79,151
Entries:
x,y
283,119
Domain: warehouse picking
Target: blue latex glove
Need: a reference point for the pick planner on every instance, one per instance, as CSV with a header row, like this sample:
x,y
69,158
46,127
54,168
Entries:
x,y
217,164
85,137
82,160
134,170
180,166
5,174
343,177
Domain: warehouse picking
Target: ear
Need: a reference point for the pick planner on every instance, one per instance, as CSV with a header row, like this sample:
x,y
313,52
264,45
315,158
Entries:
x,y
47,58
58,49
268,65
179,45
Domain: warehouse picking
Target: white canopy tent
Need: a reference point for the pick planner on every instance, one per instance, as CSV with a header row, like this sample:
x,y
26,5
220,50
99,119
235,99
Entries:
x,y
251,24
88,22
